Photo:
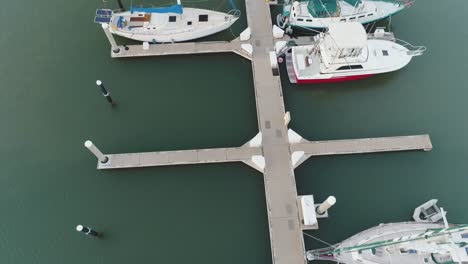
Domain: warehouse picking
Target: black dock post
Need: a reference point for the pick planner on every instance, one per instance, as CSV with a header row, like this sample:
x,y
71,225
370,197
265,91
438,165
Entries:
x,y
87,231
121,6
105,92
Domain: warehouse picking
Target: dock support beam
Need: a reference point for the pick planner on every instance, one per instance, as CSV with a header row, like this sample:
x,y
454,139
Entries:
x,y
111,39
101,157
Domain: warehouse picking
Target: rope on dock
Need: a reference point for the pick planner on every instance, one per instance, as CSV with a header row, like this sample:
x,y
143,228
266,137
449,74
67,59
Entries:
x,y
318,239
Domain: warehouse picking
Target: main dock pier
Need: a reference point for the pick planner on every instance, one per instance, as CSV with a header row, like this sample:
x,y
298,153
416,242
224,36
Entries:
x,y
276,150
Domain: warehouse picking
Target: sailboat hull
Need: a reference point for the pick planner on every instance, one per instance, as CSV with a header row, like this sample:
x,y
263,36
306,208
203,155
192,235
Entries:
x,y
170,27
402,243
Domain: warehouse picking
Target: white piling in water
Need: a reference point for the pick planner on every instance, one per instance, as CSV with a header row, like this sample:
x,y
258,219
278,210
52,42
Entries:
x,y
101,157
111,39
326,205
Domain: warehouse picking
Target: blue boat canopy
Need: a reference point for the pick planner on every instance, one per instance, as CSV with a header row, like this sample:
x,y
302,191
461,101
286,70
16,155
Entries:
x,y
177,9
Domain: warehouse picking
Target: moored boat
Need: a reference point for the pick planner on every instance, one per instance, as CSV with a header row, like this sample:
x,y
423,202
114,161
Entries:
x,y
401,243
346,52
166,24
319,14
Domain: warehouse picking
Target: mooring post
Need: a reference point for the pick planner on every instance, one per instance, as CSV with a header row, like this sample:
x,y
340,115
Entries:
x,y
111,39
326,205
101,157
105,92
87,231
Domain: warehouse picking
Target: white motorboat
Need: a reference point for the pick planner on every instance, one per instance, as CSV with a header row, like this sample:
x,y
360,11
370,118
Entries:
x,y
346,52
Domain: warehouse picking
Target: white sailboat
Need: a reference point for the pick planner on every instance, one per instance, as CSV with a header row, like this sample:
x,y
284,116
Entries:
x,y
401,243
319,14
345,52
166,24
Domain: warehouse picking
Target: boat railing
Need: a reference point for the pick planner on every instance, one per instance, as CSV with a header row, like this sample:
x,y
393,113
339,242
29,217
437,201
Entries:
x,y
381,34
236,13
412,49
403,2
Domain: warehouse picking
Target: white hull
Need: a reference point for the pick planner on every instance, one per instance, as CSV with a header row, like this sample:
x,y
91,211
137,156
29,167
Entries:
x,y
305,63
384,244
367,12
185,27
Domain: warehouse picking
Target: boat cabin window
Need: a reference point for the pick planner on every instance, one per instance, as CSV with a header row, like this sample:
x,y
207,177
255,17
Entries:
x,y
189,23
343,20
203,18
408,251
350,52
370,14
361,16
349,67
172,18
352,18
300,19
385,52
309,20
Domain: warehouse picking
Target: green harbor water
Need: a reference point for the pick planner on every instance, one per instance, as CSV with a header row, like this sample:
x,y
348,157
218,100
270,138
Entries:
x,y
51,55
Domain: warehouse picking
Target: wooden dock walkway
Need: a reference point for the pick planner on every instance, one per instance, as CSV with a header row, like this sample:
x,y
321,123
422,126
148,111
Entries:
x,y
184,48
179,157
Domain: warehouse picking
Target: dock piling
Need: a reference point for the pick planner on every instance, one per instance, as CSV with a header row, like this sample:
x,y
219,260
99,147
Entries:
x,y
101,157
323,208
121,6
111,39
87,231
105,92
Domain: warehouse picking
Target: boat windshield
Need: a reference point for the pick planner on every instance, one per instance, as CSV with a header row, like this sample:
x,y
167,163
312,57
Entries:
x,y
322,8
354,3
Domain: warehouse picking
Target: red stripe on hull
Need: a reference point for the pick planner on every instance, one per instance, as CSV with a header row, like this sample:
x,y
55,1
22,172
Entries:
x,y
336,79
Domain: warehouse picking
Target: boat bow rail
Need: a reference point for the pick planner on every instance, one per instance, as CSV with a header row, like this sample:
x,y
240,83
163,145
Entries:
x,y
235,13
381,34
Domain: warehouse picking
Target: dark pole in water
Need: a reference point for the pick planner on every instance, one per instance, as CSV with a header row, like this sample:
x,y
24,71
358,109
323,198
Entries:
x,y
121,6
105,92
87,231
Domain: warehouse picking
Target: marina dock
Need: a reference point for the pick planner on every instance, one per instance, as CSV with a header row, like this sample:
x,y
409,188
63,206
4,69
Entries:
x,y
277,151
182,49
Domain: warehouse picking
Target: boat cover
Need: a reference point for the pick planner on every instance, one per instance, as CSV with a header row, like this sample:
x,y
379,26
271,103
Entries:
x,y
177,9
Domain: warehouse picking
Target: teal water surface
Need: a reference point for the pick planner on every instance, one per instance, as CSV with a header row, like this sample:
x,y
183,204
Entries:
x,y
52,55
